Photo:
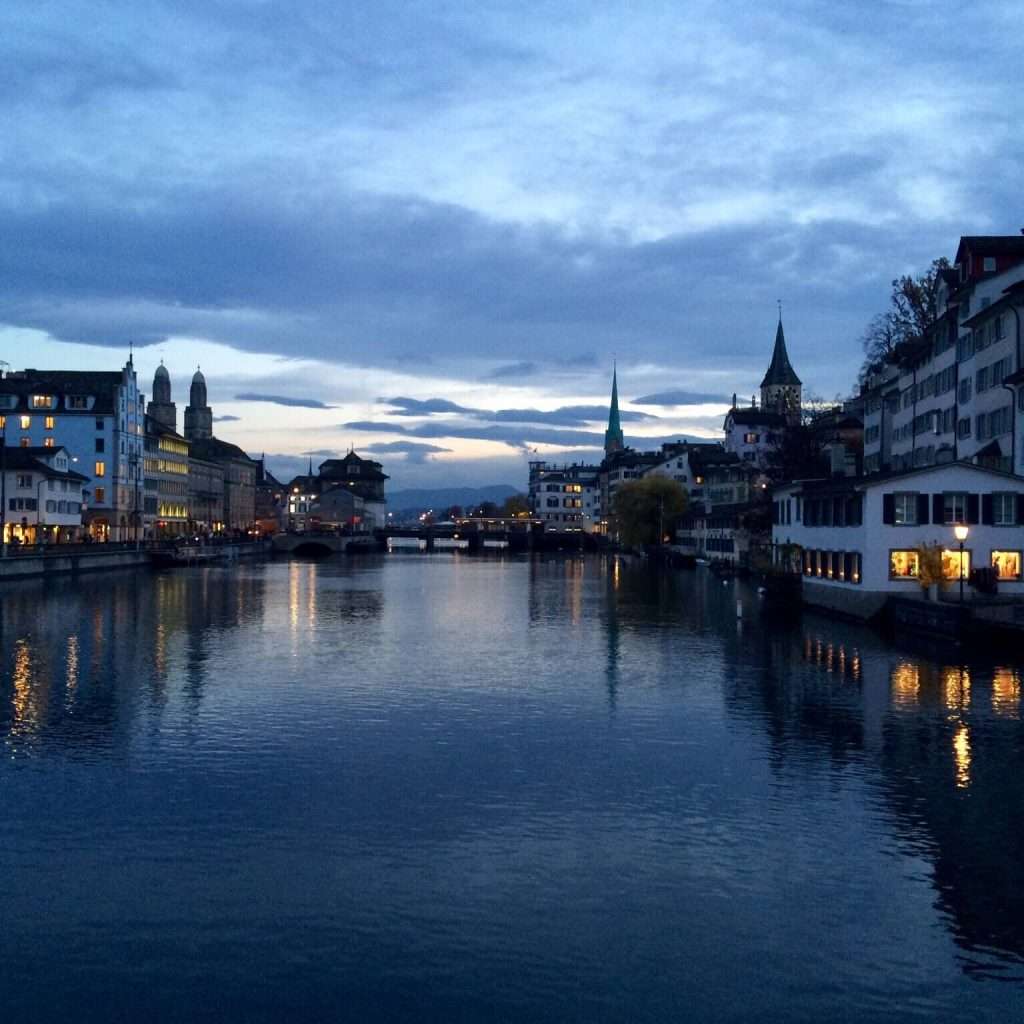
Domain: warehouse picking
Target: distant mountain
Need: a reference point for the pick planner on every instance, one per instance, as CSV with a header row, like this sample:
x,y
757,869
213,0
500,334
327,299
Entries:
x,y
417,500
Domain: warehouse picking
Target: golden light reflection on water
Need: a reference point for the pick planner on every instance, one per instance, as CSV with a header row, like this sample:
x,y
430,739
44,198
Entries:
x,y
962,756
1006,693
25,700
956,687
906,684
834,658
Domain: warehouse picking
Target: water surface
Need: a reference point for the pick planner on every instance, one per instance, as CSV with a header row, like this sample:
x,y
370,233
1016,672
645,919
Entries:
x,y
451,788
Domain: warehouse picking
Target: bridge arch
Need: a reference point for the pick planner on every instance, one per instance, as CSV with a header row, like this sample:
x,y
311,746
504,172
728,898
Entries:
x,y
314,548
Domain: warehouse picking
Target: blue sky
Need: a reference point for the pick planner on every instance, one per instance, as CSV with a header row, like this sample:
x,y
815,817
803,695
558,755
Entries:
x,y
338,205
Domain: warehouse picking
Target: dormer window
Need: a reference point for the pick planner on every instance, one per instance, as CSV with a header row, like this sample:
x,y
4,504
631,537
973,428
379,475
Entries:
x,y
42,402
988,264
77,402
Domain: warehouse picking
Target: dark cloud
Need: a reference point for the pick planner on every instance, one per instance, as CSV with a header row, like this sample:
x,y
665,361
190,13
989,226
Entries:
x,y
564,416
680,397
226,419
522,437
514,371
292,403
422,407
414,451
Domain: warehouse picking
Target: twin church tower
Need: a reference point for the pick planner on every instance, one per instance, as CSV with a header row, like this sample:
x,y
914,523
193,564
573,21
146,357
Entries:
x,y
198,414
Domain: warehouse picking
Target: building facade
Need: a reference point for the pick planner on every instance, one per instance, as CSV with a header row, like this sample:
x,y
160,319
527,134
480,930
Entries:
x,y
567,499
41,496
97,417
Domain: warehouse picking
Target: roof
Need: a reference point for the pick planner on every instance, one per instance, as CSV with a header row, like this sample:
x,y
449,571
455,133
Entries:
x,y
216,450
32,459
756,417
154,426
863,483
780,371
992,245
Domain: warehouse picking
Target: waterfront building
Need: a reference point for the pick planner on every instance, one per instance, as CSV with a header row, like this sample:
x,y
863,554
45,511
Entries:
x,y
956,393
238,480
205,495
97,417
857,540
362,477
565,498
42,496
166,510
269,500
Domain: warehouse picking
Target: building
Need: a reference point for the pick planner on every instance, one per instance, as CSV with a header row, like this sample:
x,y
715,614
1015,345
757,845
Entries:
x,y
206,495
42,496
856,540
97,417
955,394
269,500
364,478
166,508
565,498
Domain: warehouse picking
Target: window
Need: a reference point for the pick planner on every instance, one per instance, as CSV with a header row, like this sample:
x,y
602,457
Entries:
x,y
48,442
750,438
100,469
42,402
26,422
24,479
100,495
1006,564
905,509
77,402
965,390
988,264
1004,509
99,423
963,427
3,420
26,442
552,503
48,423
99,445
954,507
951,567
903,565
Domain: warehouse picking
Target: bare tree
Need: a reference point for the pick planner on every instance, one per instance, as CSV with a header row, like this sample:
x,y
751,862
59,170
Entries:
x,y
913,308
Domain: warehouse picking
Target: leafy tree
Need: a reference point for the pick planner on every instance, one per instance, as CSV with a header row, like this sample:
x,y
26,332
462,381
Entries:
x,y
644,507
913,308
516,505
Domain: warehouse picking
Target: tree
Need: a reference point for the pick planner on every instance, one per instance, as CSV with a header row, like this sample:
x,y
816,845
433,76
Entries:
x,y
913,308
645,510
516,505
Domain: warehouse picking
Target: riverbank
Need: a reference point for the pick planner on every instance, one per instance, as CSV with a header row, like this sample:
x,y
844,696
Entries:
x,y
75,559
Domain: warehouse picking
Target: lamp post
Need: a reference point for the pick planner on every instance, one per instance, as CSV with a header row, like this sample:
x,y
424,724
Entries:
x,y
961,531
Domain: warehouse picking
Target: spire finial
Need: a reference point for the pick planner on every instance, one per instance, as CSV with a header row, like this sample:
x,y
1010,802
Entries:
x,y
779,304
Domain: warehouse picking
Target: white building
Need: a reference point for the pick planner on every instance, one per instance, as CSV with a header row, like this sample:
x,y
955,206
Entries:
x,y
856,540
565,498
98,418
42,496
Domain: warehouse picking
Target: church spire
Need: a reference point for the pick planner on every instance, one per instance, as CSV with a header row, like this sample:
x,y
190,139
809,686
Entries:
x,y
613,439
781,387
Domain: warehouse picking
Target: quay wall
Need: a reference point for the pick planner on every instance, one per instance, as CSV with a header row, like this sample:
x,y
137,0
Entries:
x,y
858,604
81,560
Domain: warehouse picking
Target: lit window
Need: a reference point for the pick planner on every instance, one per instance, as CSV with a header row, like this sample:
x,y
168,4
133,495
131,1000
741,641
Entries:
x,y
100,469
750,438
42,401
26,442
904,565
26,422
48,442
951,565
1006,564
3,420
100,495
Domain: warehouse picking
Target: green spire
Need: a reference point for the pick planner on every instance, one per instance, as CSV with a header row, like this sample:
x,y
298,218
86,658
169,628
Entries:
x,y
613,439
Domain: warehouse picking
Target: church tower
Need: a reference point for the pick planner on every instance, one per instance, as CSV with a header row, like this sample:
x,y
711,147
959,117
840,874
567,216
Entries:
x,y
781,387
613,439
198,415
161,408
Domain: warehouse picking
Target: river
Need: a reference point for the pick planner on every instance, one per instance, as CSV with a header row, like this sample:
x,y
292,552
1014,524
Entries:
x,y
442,787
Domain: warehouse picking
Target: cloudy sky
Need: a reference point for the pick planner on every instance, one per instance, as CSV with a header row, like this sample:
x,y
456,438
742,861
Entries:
x,y
426,229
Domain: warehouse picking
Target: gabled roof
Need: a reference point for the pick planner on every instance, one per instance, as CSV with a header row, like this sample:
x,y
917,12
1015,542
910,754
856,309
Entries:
x,y
779,370
32,459
991,245
756,418
213,449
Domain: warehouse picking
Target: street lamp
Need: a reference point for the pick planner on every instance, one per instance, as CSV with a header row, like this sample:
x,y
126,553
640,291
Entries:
x,y
960,531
